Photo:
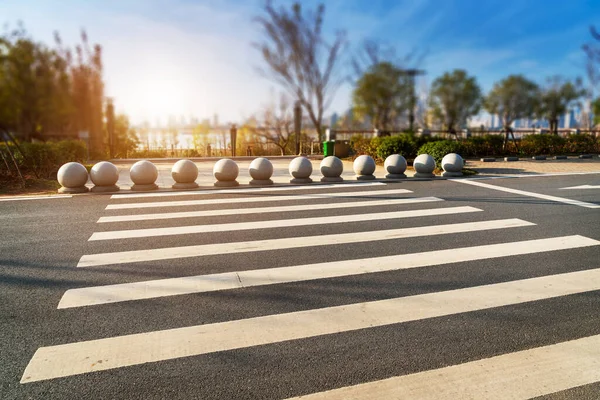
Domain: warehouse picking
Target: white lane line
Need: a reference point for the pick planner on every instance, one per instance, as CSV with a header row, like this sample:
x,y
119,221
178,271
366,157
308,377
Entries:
x,y
336,219
581,187
529,194
122,351
534,175
271,276
245,190
256,199
261,210
54,196
519,375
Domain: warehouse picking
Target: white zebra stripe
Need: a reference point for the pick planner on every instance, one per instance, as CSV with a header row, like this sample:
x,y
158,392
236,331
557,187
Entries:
x,y
122,351
280,223
519,375
262,210
247,189
256,199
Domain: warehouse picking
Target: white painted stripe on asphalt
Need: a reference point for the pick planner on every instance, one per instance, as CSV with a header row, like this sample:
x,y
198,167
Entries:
x,y
122,351
280,223
262,210
519,375
581,187
270,276
170,253
249,189
257,199
533,175
54,196
529,194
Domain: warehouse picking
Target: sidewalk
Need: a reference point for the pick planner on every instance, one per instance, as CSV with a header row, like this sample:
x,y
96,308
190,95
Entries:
x,y
282,176
529,167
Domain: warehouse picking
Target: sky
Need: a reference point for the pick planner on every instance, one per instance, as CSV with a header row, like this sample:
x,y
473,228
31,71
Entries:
x,y
196,58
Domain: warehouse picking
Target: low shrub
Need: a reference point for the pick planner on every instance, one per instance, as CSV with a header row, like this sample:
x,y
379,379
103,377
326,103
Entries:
x,y
439,149
43,159
581,143
361,145
404,145
542,145
486,145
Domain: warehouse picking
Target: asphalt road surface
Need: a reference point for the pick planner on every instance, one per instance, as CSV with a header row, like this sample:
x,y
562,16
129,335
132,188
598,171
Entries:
x,y
480,288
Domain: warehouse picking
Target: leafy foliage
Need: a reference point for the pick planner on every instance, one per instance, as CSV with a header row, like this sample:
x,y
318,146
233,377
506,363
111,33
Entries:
x,y
513,98
44,159
50,92
557,97
542,144
454,98
439,149
382,94
405,145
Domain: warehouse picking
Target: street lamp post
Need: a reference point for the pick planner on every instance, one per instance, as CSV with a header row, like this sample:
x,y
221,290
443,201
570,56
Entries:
x,y
411,73
297,125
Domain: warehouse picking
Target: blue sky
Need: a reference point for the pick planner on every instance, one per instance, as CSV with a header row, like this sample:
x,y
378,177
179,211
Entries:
x,y
185,57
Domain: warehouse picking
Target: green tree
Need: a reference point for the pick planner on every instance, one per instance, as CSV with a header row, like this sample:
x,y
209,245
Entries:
x,y
596,111
454,98
299,59
47,92
382,94
126,138
557,97
513,98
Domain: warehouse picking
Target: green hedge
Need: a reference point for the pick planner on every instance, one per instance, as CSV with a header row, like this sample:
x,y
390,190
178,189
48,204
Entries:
x,y
439,149
380,148
43,159
410,146
582,143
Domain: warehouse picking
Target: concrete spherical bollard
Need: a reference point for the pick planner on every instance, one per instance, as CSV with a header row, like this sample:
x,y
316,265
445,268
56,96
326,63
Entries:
x,y
72,177
395,165
424,166
452,164
364,167
331,167
184,173
143,174
300,169
226,172
261,171
105,176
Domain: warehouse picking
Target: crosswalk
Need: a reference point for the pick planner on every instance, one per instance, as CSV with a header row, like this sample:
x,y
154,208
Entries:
x,y
358,209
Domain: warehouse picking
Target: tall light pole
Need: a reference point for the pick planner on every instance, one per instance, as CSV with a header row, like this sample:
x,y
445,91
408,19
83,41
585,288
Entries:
x,y
411,73
297,124
110,126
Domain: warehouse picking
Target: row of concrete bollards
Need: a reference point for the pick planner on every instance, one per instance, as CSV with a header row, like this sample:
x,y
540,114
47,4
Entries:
x,y
104,175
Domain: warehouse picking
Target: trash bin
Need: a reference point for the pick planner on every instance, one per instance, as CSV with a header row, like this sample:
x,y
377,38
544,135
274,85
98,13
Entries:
x,y
328,148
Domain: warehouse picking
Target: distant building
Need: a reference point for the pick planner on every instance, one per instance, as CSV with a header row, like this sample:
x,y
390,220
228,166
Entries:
x,y
334,119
